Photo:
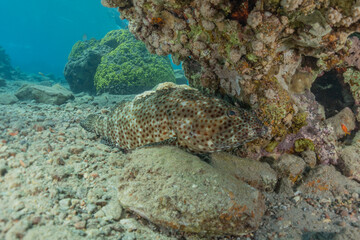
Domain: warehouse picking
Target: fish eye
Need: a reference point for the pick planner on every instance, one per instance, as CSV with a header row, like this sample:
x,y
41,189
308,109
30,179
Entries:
x,y
232,113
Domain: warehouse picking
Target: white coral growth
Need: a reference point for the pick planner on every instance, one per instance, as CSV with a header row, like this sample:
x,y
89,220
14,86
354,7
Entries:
x,y
235,55
356,11
290,5
334,16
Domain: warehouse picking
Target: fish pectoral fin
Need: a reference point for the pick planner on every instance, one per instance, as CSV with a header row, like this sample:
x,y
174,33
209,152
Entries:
x,y
89,123
169,141
106,141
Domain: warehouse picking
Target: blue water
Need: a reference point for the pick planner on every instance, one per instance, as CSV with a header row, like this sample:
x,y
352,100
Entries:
x,y
39,34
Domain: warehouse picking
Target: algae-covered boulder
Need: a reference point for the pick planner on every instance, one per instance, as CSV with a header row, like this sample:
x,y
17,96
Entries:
x,y
81,46
84,59
117,64
130,68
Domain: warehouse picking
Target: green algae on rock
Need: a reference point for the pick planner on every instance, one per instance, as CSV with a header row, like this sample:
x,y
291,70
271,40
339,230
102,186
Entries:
x,y
130,68
116,64
304,144
80,46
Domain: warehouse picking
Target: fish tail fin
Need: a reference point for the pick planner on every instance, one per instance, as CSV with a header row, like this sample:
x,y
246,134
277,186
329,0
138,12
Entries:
x,y
89,124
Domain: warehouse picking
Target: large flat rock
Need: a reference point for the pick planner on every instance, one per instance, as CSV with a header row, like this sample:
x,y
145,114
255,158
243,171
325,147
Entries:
x,y
42,94
177,190
7,99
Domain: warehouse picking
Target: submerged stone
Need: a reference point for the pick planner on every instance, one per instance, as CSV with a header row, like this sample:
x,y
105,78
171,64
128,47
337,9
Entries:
x,y
257,174
350,156
51,95
177,190
7,99
325,181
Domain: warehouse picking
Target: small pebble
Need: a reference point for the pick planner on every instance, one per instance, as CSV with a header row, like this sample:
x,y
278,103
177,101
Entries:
x,y
342,223
65,203
80,225
344,213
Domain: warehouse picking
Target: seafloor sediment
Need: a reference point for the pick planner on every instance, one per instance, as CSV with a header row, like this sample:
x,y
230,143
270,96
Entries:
x,y
58,181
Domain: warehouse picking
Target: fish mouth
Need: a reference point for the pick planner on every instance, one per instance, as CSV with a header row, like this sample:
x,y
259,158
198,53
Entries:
x,y
230,142
239,138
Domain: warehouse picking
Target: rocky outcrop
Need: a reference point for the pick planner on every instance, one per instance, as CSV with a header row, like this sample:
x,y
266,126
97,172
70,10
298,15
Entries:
x,y
50,95
80,71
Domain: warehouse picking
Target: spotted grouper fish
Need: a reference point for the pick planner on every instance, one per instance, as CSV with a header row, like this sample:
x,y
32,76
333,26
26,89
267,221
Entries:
x,y
176,115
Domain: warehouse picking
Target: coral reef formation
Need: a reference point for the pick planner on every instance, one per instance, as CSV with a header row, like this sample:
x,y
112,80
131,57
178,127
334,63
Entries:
x,y
265,53
352,77
117,64
332,92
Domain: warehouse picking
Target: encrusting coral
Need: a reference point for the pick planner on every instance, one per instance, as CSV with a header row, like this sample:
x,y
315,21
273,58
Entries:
x,y
265,53
352,77
353,59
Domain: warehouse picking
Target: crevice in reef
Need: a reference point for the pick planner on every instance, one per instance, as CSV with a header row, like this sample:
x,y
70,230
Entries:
x,y
309,62
332,93
240,10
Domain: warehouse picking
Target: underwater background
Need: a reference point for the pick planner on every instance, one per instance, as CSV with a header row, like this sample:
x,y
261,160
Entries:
x,y
180,119
38,35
